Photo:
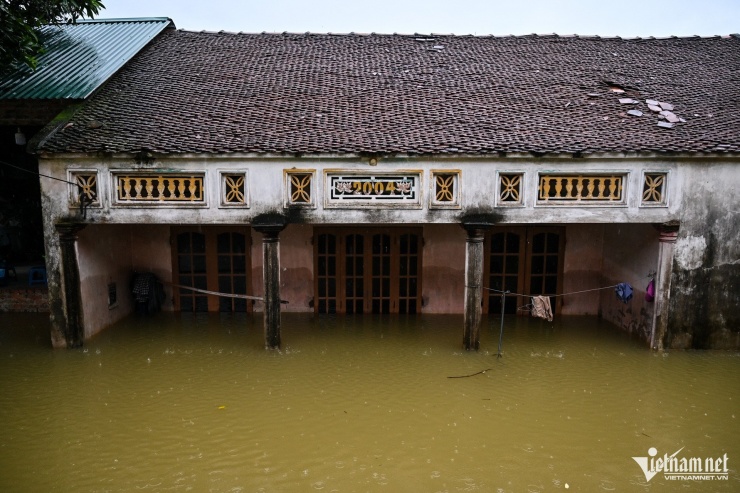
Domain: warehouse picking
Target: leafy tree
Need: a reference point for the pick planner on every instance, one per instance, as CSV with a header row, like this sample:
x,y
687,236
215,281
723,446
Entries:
x,y
20,21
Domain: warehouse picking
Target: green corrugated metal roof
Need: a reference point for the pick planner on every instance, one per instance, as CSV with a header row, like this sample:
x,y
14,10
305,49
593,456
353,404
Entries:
x,y
80,57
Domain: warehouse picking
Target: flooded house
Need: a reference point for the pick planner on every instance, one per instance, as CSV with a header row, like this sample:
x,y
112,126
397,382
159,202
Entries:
x,y
403,174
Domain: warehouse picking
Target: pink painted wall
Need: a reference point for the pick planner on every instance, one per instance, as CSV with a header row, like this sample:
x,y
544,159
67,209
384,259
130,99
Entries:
x,y
630,253
443,272
112,254
582,265
296,263
151,251
104,257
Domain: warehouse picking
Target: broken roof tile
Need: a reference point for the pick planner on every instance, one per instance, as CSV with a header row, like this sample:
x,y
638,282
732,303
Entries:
x,y
666,106
671,117
634,112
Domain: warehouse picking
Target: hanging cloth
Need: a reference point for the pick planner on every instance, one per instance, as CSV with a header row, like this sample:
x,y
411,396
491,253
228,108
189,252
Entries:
x,y
541,307
650,291
624,292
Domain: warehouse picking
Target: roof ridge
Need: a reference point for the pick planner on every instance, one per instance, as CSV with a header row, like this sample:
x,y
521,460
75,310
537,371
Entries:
x,y
122,19
452,35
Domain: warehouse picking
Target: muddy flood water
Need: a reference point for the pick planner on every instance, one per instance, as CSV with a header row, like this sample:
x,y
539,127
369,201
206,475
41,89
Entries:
x,y
195,403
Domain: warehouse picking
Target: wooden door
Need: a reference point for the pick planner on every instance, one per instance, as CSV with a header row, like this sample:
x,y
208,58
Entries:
x,y
368,270
212,259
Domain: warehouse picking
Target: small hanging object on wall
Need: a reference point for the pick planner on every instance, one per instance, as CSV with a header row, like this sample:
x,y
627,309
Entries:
x,y
650,291
623,291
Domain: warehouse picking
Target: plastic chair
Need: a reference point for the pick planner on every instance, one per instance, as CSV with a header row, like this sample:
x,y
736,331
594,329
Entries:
x,y
6,270
37,275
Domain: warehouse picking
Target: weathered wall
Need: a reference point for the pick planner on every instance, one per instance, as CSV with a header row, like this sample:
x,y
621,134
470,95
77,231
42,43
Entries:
x,y
443,271
705,285
104,257
630,254
582,266
151,251
296,265
705,277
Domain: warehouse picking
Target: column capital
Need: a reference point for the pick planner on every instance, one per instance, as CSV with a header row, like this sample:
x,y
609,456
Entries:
x,y
270,225
668,232
476,226
69,230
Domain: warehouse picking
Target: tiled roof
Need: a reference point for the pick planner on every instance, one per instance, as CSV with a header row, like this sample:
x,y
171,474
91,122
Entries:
x,y
80,57
310,94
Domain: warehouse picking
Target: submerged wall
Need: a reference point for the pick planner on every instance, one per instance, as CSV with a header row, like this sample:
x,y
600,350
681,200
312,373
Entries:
x,y
443,272
699,195
630,254
705,285
582,266
104,258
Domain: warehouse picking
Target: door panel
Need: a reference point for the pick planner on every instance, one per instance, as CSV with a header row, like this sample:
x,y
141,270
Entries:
x,y
379,270
213,259
526,261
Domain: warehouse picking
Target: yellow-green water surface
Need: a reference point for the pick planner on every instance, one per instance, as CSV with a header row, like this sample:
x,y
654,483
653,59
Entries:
x,y
196,403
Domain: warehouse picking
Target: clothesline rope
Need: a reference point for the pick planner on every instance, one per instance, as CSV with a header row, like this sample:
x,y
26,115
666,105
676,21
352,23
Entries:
x,y
563,294
216,293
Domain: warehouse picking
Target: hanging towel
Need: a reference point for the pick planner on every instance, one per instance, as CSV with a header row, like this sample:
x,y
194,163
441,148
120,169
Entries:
x,y
624,292
541,307
650,291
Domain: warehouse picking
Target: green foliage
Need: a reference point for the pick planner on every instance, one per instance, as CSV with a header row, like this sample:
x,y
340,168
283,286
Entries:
x,y
21,19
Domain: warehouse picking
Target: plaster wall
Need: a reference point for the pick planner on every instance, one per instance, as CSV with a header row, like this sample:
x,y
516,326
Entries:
x,y
296,268
267,185
443,274
630,254
582,265
705,284
443,270
104,257
151,251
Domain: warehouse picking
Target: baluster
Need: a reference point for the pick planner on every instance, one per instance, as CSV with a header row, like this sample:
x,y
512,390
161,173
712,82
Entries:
x,y
612,188
137,188
126,187
579,187
568,187
171,188
545,188
192,189
160,188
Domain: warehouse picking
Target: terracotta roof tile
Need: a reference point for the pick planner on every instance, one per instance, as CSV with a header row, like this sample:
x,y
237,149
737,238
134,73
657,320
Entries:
x,y
308,94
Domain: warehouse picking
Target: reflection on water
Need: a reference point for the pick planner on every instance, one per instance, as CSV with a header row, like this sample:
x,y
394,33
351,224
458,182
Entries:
x,y
183,403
